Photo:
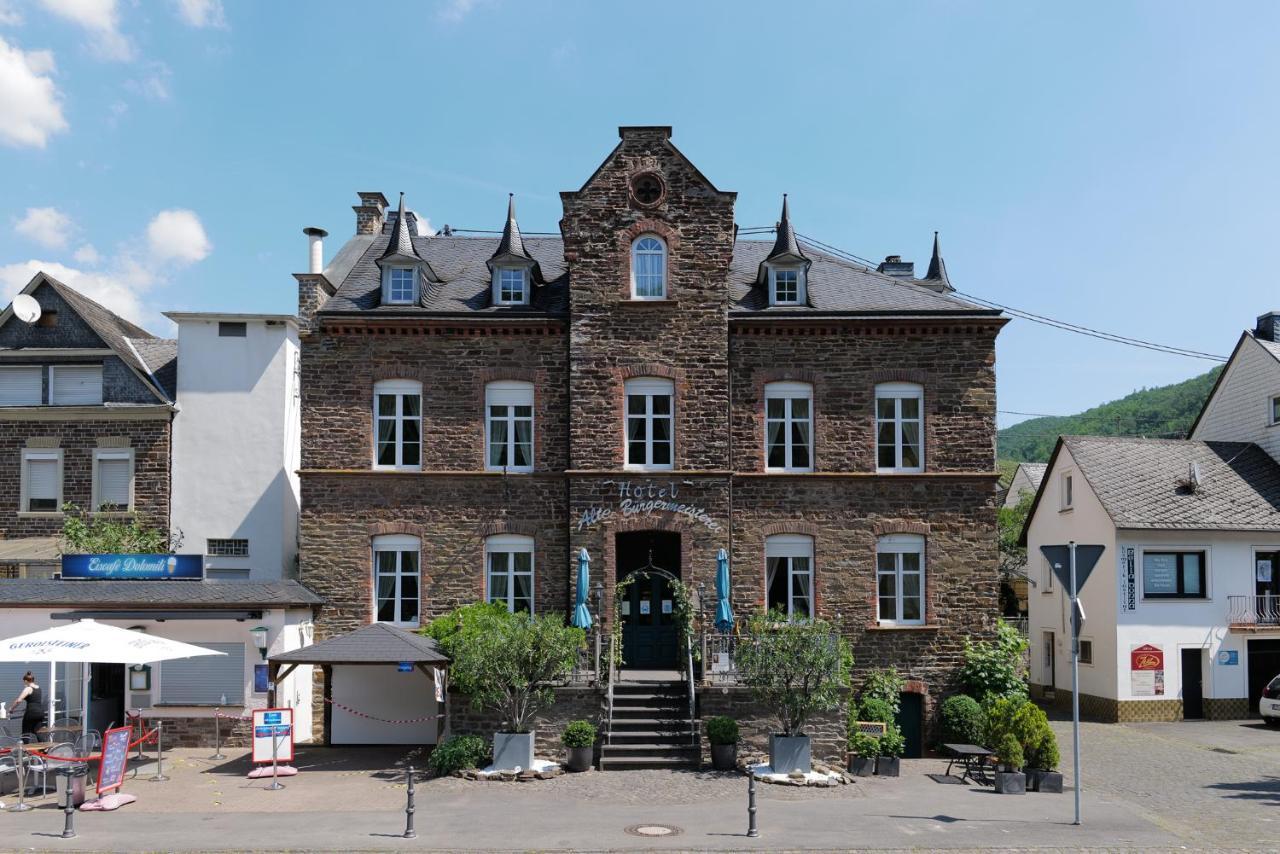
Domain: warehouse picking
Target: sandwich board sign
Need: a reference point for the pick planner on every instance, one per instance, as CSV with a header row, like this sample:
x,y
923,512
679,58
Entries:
x,y
272,735
115,755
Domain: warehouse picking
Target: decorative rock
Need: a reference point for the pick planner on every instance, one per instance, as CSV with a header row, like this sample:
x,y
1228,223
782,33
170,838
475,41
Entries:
x,y
796,775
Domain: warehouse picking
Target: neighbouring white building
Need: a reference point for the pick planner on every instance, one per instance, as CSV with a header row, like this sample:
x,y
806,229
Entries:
x,y
1183,609
1026,481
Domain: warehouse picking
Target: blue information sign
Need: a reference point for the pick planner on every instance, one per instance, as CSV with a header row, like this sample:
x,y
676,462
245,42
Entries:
x,y
271,718
133,567
115,754
1229,657
405,667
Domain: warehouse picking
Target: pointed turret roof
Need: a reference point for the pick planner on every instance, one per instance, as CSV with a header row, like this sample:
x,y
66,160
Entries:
x,y
938,267
511,250
400,246
785,248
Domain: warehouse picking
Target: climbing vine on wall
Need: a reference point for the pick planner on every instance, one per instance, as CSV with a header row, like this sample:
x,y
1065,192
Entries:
x,y
681,608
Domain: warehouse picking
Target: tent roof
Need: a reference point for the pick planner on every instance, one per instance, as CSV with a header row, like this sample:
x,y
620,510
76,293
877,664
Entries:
x,y
377,643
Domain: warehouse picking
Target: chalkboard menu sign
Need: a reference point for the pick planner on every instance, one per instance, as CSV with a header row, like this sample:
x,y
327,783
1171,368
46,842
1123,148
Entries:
x,y
115,755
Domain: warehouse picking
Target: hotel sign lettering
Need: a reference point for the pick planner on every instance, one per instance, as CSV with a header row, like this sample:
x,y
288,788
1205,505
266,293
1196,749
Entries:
x,y
646,499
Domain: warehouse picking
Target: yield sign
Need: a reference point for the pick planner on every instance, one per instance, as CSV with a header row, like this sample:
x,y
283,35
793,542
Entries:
x,y
1060,559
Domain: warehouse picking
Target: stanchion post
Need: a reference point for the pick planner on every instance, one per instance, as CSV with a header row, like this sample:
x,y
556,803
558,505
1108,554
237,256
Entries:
x,y
752,830
20,762
141,730
409,809
159,776
68,824
275,768
217,734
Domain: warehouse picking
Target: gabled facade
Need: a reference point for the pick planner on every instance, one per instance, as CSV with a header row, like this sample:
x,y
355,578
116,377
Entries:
x,y
1244,405
653,401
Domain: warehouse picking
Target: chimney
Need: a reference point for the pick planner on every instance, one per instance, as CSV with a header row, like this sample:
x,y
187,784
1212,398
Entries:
x,y
316,237
1268,327
370,212
893,265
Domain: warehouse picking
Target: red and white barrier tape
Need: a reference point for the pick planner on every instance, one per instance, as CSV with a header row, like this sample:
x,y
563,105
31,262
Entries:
x,y
367,716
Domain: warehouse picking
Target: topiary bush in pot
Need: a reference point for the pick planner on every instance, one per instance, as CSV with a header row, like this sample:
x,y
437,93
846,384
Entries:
x,y
892,746
722,732
863,750
579,738
1009,779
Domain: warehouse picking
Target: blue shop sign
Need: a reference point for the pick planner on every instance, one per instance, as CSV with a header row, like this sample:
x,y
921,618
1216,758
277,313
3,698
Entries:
x,y
1229,657
404,667
133,567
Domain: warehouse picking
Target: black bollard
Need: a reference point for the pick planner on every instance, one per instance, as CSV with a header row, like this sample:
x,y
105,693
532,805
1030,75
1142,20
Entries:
x,y
68,825
752,830
159,776
409,832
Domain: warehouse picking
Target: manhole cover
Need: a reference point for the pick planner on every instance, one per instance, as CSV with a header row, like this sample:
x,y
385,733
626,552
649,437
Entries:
x,y
652,830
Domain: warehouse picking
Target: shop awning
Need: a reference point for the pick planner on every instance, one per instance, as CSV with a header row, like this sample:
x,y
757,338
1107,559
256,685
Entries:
x,y
377,643
30,550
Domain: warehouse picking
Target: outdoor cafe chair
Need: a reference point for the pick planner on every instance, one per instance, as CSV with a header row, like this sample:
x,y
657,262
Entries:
x,y
31,765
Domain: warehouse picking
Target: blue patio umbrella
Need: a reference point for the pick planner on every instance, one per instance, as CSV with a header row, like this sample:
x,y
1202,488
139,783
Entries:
x,y
581,616
724,613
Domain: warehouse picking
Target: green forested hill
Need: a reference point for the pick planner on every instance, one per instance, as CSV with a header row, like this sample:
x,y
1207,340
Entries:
x,y
1164,412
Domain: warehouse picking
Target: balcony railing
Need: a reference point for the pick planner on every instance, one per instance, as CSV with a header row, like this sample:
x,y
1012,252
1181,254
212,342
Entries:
x,y
1253,611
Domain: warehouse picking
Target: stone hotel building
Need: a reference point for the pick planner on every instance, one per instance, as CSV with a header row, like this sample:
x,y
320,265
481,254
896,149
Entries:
x,y
652,388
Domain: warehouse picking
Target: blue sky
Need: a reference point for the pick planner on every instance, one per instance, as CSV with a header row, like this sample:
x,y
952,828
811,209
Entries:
x,y
1110,164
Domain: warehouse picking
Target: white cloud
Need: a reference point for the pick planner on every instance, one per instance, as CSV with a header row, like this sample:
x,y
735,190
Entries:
x,y
49,227
177,236
9,16
453,11
101,19
30,103
117,291
155,85
201,13
87,255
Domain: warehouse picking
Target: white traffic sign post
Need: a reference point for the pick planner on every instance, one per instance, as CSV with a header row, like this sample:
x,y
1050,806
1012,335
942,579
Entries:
x,y
1080,561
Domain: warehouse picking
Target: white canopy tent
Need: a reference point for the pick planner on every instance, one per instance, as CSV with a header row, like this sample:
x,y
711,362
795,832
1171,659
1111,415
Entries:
x,y
89,642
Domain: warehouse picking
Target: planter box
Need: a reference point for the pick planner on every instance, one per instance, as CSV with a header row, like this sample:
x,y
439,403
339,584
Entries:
x,y
512,750
724,757
862,766
888,766
1011,783
790,753
1049,782
580,758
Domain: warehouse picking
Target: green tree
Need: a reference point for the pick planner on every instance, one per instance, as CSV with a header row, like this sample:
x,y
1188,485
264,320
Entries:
x,y
794,668
83,534
506,662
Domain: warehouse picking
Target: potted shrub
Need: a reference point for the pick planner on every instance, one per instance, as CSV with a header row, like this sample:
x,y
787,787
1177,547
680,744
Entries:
x,y
796,669
1009,779
863,750
1042,758
892,746
722,732
579,739
507,663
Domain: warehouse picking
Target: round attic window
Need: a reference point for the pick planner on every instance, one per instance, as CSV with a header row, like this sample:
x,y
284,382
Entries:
x,y
647,189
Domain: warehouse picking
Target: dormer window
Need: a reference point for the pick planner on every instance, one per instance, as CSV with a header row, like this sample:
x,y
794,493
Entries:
x,y
648,268
786,286
401,286
511,286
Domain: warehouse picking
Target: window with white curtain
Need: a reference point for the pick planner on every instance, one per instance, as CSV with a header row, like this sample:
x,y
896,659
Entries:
x,y
509,571
396,579
509,426
788,426
21,385
900,579
648,268
899,427
397,424
113,479
650,427
41,485
789,575
75,385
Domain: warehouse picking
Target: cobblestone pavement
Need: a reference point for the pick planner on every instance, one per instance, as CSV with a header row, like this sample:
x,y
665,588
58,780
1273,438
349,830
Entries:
x,y
1212,783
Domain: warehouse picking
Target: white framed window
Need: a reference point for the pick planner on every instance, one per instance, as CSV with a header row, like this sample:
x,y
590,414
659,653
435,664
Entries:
x,y
1273,410
900,579
397,425
41,487
509,571
650,424
899,427
508,409
786,286
396,579
75,385
400,285
789,575
511,286
1066,491
648,268
113,479
788,426
21,385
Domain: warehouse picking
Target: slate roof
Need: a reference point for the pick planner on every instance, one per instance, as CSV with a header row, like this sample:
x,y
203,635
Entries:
x,y
160,355
377,643
834,285
1136,481
32,592
1035,472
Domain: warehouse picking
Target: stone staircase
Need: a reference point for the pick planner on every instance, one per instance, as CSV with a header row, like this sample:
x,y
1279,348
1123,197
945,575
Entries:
x,y
650,727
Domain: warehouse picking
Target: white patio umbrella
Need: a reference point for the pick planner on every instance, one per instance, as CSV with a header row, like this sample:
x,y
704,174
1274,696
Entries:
x,y
90,642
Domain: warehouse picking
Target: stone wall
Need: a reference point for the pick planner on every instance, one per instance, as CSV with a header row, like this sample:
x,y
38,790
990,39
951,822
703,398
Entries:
x,y
828,731
571,704
199,732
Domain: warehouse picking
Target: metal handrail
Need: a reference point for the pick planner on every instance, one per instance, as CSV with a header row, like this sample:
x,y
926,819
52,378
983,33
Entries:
x,y
608,718
1261,610
693,730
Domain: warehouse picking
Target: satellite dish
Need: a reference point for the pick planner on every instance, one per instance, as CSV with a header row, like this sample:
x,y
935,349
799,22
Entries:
x,y
26,308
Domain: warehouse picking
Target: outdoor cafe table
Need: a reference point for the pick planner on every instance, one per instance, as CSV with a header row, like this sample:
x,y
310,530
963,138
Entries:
x,y
973,759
